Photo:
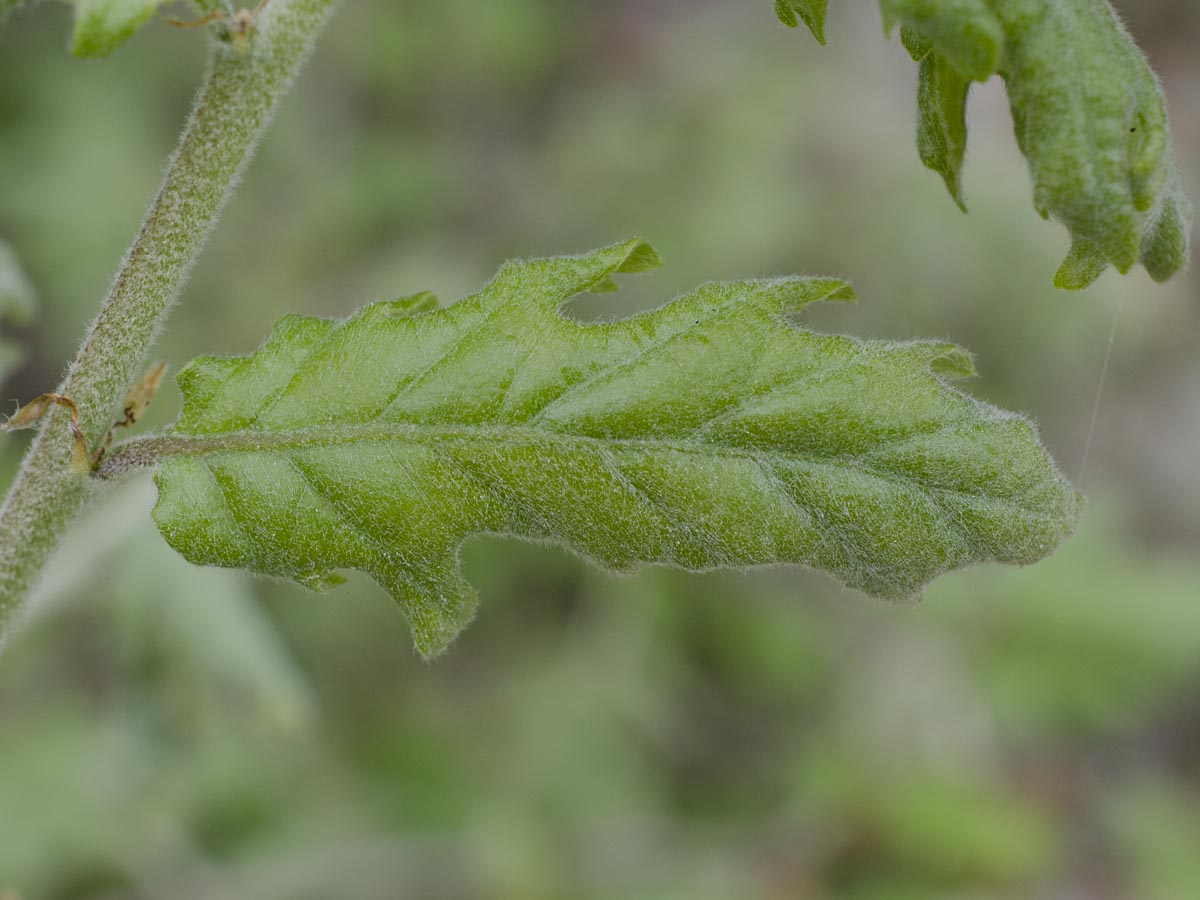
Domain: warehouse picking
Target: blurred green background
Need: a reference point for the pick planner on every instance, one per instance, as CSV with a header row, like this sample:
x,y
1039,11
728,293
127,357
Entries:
x,y
174,733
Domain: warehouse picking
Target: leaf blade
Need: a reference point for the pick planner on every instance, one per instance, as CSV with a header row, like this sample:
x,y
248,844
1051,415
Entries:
x,y
1088,113
942,122
1091,119
707,433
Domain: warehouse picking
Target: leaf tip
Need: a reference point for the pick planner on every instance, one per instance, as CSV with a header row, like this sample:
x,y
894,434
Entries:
x,y
436,600
812,12
422,301
1166,249
320,582
841,291
1085,263
952,361
637,256
629,257
433,635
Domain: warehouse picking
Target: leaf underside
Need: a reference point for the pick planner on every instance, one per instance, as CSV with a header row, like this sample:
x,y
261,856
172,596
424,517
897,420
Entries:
x,y
1088,112
707,433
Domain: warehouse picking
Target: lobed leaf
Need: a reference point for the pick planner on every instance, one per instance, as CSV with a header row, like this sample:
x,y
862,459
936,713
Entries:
x,y
1088,112
1092,123
707,433
811,12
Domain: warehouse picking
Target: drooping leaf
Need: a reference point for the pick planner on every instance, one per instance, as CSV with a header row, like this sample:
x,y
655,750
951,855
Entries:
x,y
101,26
1088,112
942,121
811,12
966,33
707,433
1085,263
1091,120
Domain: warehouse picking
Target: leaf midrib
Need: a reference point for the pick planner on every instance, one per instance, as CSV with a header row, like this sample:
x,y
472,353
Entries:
x,y
150,451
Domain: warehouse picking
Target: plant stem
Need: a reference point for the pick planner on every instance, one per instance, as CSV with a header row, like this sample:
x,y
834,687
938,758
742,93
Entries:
x,y
232,111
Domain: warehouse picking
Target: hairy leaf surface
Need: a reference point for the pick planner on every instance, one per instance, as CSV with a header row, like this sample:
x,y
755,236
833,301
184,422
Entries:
x,y
811,12
709,432
1091,120
1088,112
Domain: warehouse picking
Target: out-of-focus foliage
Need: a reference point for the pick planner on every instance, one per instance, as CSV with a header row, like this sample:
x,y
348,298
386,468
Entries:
x,y
1020,734
17,302
1089,115
672,736
7,6
1160,829
811,12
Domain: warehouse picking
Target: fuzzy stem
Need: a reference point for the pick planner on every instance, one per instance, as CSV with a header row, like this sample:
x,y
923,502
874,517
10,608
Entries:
x,y
232,111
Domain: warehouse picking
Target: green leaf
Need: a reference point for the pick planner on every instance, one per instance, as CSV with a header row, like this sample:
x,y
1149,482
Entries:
x,y
101,26
708,433
811,12
966,33
942,121
1088,112
1085,263
1091,120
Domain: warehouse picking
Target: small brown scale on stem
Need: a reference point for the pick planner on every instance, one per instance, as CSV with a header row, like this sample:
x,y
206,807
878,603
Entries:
x,y
138,401
31,413
239,23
